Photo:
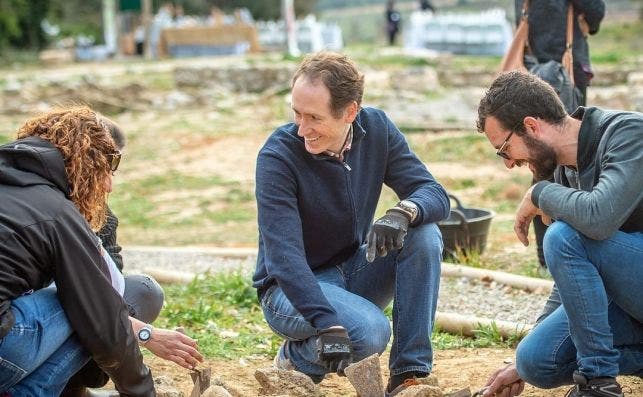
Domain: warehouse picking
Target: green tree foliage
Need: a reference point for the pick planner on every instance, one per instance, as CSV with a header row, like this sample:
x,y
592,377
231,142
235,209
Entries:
x,y
76,17
9,24
20,23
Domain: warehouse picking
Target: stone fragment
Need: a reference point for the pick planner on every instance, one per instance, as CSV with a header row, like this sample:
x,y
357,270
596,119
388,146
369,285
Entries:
x,y
421,391
276,381
430,380
366,377
216,391
460,393
164,386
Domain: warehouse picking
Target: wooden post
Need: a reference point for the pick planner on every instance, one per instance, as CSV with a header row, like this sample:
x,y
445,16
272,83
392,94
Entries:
x,y
288,14
146,13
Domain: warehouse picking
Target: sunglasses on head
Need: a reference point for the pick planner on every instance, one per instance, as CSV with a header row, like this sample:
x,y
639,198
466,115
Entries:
x,y
114,160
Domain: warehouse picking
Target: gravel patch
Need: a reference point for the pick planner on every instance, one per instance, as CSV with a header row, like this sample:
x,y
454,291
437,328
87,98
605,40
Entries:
x,y
457,294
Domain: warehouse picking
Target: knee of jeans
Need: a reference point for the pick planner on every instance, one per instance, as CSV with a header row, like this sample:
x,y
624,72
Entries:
x,y
144,295
557,239
426,239
534,367
370,337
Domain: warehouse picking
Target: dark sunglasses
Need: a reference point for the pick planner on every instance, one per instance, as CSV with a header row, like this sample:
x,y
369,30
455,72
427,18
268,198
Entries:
x,y
114,160
501,151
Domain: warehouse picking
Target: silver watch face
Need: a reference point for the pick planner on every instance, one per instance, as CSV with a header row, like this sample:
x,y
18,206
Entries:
x,y
144,334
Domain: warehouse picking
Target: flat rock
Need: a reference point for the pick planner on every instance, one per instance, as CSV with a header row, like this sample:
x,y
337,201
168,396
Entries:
x,y
276,381
421,391
164,386
366,377
216,391
460,393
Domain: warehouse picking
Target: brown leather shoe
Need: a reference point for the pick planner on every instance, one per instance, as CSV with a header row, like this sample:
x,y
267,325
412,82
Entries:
x,y
408,382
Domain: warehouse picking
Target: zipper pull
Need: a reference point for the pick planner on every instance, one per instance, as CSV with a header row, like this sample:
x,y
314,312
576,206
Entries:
x,y
348,167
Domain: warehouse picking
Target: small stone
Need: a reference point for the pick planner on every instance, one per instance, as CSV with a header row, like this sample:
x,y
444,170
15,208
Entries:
x,y
460,393
164,386
421,391
216,391
275,381
430,380
366,377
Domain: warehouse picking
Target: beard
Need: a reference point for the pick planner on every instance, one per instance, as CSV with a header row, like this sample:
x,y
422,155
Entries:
x,y
542,158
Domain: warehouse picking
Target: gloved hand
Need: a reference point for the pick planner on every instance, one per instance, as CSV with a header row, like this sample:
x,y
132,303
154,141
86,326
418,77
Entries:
x,y
334,348
387,233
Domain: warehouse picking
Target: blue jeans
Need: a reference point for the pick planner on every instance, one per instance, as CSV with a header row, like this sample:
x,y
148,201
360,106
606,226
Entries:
x,y
40,353
359,291
598,329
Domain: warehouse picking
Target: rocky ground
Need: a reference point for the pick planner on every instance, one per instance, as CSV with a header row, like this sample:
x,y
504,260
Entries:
x,y
455,369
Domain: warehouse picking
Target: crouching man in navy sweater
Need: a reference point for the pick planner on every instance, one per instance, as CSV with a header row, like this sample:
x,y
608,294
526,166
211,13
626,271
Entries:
x,y
325,271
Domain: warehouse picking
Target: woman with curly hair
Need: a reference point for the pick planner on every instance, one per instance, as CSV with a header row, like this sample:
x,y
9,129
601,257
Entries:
x,y
54,181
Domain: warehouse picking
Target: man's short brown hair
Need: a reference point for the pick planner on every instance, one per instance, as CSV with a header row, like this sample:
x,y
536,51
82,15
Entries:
x,y
515,95
338,73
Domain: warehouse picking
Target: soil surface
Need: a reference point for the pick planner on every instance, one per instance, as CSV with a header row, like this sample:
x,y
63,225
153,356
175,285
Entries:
x,y
455,369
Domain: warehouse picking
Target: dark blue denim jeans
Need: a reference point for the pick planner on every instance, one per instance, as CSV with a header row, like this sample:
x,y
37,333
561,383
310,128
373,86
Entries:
x,y
359,291
598,329
40,353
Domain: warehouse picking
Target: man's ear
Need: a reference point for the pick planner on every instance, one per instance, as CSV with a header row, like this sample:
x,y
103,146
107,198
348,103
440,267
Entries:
x,y
350,112
532,126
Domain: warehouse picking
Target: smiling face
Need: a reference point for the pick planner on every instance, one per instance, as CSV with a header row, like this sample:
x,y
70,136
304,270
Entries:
x,y
521,150
318,126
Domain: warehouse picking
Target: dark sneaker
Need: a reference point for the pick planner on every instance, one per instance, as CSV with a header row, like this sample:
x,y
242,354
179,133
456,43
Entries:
x,y
597,387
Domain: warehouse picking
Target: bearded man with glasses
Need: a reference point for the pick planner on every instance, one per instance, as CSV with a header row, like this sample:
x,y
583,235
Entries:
x,y
591,328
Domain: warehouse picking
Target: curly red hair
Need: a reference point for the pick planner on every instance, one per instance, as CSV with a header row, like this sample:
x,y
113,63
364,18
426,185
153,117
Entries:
x,y
85,142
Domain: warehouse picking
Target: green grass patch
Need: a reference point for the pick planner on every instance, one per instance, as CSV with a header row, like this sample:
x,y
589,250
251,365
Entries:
x,y
469,148
223,313
4,138
616,42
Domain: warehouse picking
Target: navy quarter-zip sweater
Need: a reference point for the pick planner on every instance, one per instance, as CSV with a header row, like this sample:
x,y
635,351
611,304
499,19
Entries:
x,y
314,211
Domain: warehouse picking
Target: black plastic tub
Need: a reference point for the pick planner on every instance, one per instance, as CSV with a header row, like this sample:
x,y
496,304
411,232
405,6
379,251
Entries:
x,y
465,230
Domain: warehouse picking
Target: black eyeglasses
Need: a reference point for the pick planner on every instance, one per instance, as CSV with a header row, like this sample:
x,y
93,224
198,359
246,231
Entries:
x,y
114,160
501,151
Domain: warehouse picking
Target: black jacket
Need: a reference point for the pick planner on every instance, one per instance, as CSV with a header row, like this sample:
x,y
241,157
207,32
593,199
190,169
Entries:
x,y
44,238
548,32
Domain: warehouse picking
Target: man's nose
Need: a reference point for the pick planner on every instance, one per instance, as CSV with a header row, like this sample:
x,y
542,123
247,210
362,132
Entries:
x,y
303,128
509,163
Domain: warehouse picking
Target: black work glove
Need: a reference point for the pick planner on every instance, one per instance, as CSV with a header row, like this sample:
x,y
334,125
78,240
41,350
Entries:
x,y
387,233
334,348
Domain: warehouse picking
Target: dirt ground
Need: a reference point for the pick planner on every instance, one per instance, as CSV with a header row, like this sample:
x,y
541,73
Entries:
x,y
455,369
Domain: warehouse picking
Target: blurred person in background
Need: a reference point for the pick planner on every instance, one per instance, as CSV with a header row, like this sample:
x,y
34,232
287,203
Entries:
x,y
393,21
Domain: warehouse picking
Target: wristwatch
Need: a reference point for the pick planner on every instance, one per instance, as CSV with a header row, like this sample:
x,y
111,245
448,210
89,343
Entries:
x,y
144,334
409,208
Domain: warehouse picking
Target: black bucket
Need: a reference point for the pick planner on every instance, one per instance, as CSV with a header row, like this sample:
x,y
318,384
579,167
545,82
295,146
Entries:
x,y
465,230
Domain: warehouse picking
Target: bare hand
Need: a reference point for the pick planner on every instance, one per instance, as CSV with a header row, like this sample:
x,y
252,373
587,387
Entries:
x,y
504,382
524,215
176,347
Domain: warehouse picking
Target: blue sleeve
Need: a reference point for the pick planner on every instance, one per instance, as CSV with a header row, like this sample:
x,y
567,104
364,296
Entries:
x,y
282,238
411,180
